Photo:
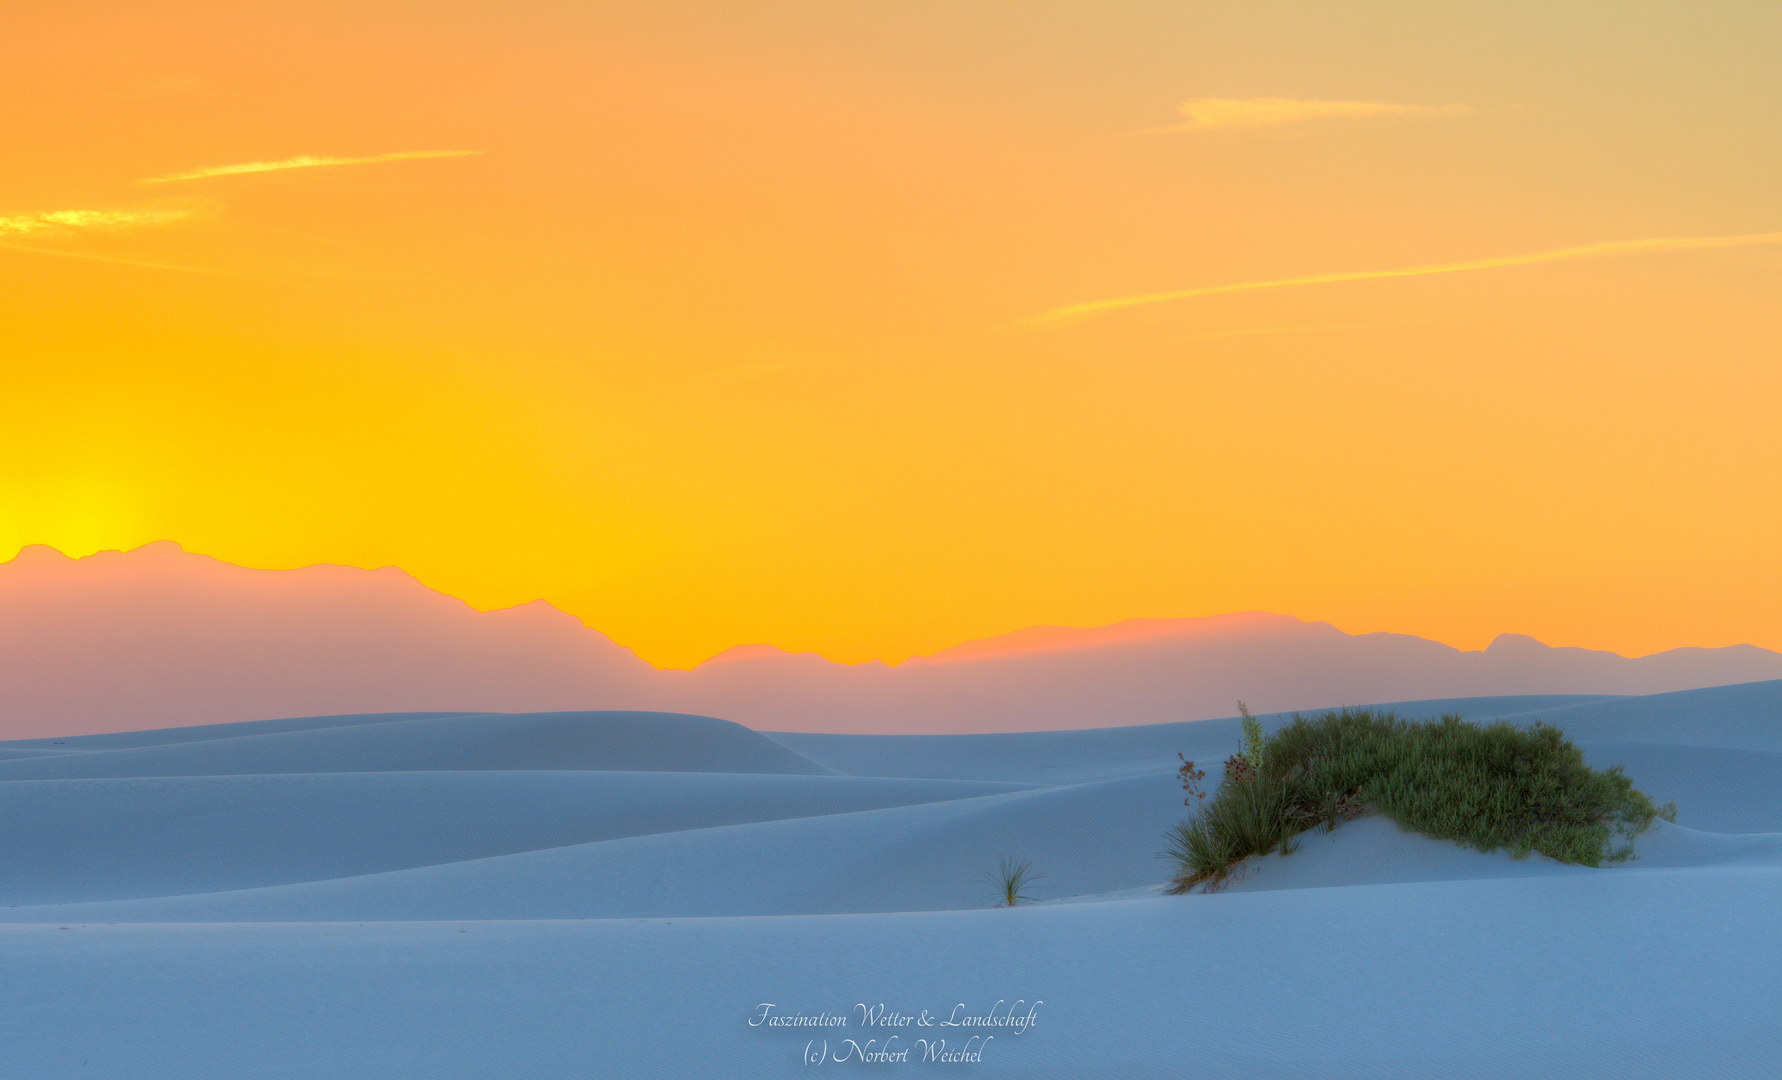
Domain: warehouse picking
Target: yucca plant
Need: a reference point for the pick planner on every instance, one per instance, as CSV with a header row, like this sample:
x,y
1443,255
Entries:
x,y
1011,879
1255,742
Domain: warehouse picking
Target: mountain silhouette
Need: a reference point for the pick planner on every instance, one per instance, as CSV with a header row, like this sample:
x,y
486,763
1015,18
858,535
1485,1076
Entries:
x,y
158,637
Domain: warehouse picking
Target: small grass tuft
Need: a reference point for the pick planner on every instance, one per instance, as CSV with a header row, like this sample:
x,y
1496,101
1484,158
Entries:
x,y
1011,879
1498,786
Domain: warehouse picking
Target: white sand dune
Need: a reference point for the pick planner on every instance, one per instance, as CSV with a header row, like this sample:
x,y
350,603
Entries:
x,y
1739,717
1056,757
601,894
81,840
909,858
1718,790
130,740
598,740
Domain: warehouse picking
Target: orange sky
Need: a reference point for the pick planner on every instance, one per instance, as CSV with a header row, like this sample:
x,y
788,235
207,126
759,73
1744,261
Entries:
x,y
872,328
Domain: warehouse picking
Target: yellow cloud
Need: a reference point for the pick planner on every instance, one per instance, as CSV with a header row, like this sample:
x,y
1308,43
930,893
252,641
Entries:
x,y
1072,313
304,161
1226,114
76,220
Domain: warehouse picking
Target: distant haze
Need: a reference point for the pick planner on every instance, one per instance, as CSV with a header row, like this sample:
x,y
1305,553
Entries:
x,y
159,637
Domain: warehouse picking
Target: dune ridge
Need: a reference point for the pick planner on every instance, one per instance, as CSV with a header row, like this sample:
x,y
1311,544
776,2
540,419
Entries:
x,y
657,742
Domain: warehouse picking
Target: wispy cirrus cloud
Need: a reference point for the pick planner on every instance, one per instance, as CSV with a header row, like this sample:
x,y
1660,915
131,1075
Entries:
x,y
1228,114
1269,331
1074,313
303,161
88,256
74,221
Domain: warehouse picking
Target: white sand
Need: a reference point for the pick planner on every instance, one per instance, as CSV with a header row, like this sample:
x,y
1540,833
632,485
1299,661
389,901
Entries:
x,y
613,895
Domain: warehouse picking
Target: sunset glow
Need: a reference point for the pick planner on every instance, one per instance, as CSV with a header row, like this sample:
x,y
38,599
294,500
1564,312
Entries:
x,y
871,329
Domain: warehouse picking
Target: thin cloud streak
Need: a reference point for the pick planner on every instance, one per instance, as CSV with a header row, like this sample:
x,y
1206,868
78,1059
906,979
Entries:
x,y
90,257
62,221
1075,313
1227,114
1259,331
304,161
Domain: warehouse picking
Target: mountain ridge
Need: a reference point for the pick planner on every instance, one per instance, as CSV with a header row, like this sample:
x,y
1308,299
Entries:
x,y
159,637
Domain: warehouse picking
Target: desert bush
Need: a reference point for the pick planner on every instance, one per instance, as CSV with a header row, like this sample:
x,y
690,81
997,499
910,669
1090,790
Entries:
x,y
1522,789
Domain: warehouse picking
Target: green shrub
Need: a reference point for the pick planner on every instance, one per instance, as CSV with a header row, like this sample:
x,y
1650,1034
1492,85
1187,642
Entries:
x,y
1522,789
